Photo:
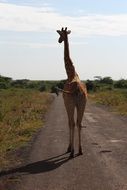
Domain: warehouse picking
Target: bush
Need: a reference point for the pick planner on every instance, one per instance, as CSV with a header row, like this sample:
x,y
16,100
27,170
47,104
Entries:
x,y
20,83
42,88
90,85
106,80
121,84
3,85
5,79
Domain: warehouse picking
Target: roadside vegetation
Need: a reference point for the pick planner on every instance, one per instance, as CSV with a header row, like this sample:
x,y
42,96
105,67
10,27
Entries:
x,y
111,93
22,113
23,105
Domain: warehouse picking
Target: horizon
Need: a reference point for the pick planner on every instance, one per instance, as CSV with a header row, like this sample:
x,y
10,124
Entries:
x,y
94,78
29,42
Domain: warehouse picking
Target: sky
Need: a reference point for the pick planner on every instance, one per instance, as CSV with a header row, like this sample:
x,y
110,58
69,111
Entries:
x,y
29,47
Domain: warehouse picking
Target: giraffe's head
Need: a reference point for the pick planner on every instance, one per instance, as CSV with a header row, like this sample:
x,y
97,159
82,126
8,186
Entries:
x,y
63,34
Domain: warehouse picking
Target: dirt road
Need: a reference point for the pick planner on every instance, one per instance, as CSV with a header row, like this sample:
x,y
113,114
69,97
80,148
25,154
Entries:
x,y
103,165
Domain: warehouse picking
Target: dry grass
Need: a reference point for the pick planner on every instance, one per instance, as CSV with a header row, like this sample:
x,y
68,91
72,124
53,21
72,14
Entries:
x,y
115,99
21,114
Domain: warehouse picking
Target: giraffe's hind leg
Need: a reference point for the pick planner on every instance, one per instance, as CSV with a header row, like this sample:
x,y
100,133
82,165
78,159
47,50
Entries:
x,y
70,107
71,131
81,103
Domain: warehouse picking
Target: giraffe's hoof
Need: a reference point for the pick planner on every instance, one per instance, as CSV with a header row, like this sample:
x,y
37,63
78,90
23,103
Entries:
x,y
72,154
69,149
80,153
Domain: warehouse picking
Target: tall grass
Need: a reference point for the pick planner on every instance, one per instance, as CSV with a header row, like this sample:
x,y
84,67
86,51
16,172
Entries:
x,y
115,99
21,114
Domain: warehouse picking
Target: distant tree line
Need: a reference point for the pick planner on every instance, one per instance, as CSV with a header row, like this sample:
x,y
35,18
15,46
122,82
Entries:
x,y
99,83
106,83
42,85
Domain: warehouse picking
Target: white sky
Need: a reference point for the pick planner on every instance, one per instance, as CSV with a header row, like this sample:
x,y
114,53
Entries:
x,y
29,42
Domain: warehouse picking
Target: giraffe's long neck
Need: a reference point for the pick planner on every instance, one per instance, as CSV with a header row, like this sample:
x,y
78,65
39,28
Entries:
x,y
66,49
70,70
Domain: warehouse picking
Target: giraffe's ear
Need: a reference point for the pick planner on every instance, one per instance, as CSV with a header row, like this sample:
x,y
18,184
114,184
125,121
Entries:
x,y
69,31
58,31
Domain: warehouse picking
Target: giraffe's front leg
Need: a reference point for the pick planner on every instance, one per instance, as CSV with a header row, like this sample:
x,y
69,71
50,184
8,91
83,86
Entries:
x,y
69,146
71,137
72,140
79,134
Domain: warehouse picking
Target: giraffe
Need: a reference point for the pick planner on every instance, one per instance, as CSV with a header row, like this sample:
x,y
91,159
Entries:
x,y
74,94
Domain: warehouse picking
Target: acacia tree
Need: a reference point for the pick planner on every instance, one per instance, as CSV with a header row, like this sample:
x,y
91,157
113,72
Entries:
x,y
107,80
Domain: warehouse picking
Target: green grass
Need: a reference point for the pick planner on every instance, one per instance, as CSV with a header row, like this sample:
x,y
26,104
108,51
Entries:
x,y
21,114
115,99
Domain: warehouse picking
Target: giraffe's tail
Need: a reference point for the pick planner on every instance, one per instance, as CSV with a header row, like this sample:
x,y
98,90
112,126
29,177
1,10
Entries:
x,y
61,90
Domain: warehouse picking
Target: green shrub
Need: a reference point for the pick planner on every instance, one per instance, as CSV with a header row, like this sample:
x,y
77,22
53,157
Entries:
x,y
116,99
3,85
121,84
